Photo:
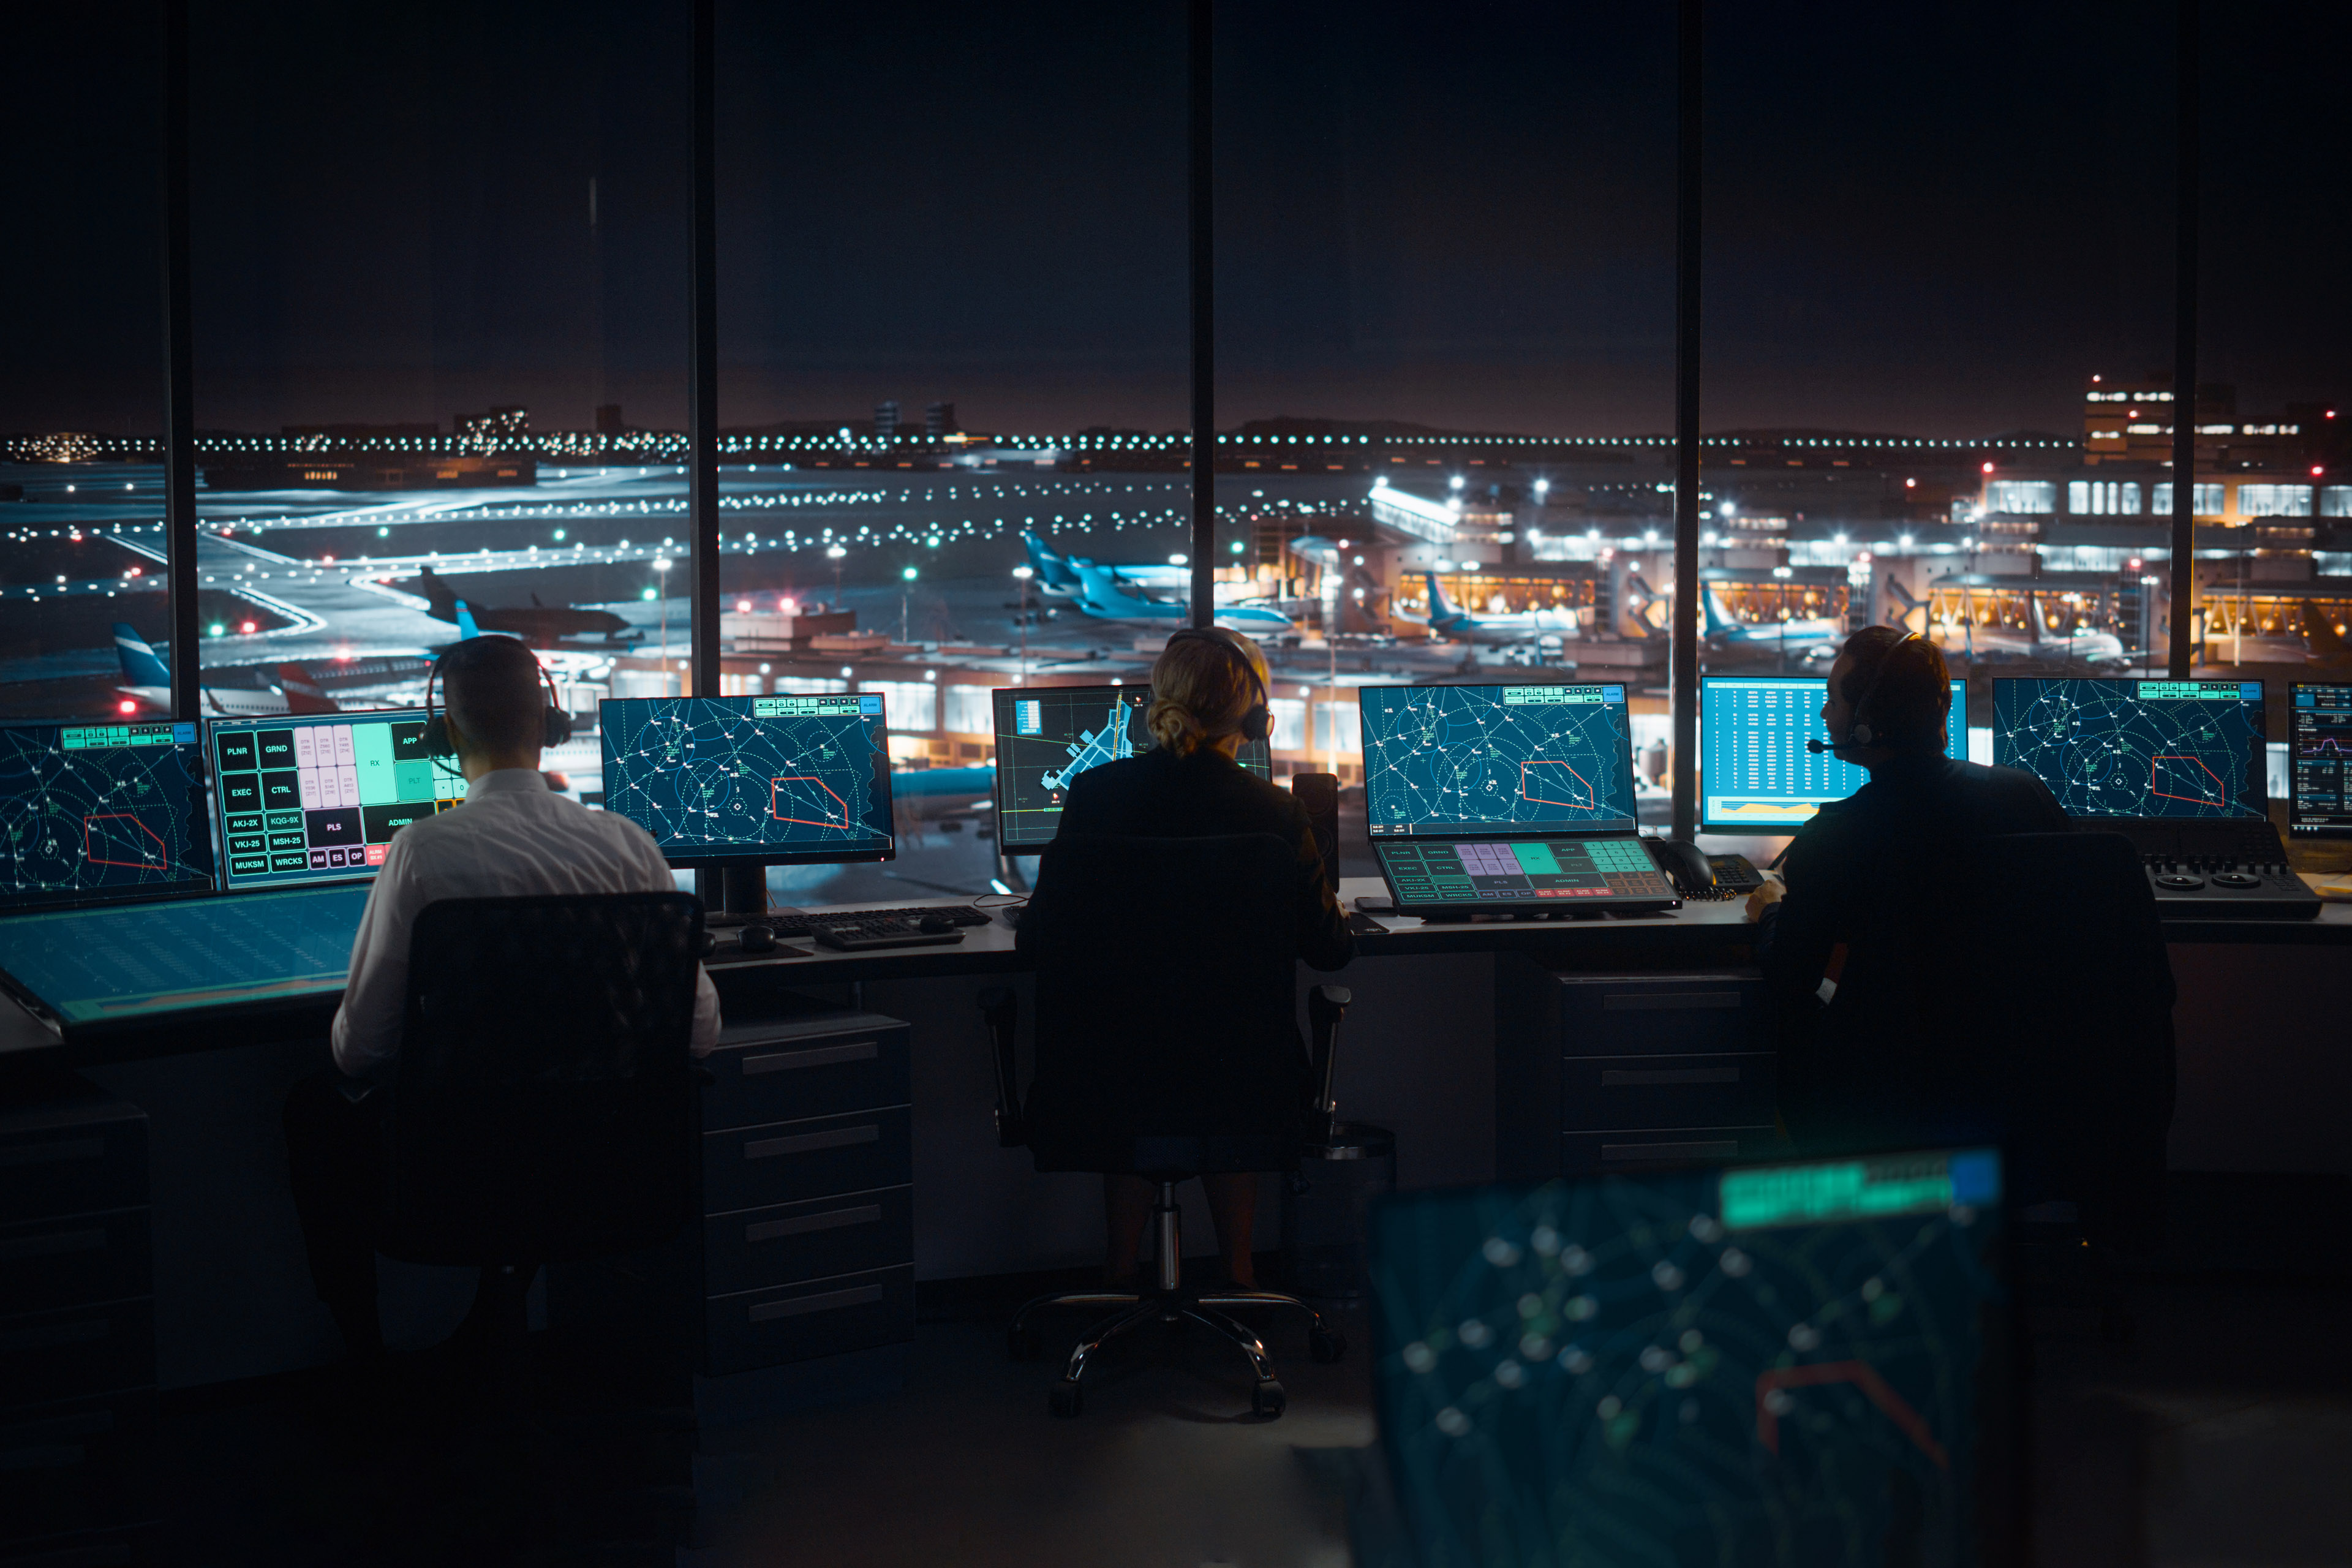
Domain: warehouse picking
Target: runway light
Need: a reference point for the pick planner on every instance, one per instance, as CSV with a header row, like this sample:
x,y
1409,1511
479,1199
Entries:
x,y
742,606
247,628
648,595
1987,467
126,705
1182,561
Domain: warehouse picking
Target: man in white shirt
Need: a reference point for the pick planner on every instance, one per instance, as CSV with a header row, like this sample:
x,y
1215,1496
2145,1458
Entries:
x,y
513,837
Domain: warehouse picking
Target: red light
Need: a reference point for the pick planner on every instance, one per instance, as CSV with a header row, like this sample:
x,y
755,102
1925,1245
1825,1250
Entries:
x,y
127,705
2095,379
1908,484
742,606
247,627
1987,467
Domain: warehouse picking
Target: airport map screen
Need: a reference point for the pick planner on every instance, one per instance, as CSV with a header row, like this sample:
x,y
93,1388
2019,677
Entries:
x,y
1447,761
2319,756
92,967
2137,748
317,799
779,780
1510,874
1755,774
1047,735
92,813
1795,1364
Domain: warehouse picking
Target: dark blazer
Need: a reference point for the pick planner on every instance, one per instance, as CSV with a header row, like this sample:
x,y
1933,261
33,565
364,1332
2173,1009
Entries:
x,y
1874,872
1204,795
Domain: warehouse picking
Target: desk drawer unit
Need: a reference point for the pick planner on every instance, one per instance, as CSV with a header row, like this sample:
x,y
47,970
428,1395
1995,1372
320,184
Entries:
x,y
807,1242
1599,1072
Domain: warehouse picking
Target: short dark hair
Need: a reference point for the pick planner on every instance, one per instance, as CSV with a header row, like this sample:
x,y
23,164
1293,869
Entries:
x,y
491,686
1910,689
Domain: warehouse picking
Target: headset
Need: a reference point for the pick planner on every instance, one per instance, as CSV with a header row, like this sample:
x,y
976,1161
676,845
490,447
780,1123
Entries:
x,y
555,724
1859,735
1258,722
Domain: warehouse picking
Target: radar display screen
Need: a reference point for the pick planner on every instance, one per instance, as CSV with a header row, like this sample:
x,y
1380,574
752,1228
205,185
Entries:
x,y
1047,735
1518,874
1755,773
100,813
1451,761
1763,1366
777,780
2137,748
317,799
2319,757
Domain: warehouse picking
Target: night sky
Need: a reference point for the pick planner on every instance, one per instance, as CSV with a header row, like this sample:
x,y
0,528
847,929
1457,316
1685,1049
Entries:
x,y
1934,220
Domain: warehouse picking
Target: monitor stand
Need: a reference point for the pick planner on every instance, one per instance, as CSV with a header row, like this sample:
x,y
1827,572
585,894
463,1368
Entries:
x,y
733,893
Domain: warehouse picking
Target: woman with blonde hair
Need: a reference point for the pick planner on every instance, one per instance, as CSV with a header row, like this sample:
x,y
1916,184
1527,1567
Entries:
x,y
1210,695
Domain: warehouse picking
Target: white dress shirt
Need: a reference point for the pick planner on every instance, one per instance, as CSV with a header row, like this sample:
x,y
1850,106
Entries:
x,y
512,838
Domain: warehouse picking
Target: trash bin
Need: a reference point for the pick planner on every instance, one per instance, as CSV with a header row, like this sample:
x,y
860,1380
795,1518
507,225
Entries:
x,y
1324,1227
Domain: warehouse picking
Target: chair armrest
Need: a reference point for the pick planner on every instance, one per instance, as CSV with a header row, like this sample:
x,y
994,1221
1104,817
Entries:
x,y
1000,1009
1327,1005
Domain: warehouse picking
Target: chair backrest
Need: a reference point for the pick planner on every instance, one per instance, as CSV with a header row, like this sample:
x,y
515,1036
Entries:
x,y
1167,1032
2054,1020
544,1101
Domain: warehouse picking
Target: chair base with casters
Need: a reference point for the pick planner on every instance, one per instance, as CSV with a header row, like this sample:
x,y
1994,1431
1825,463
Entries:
x,y
1168,1302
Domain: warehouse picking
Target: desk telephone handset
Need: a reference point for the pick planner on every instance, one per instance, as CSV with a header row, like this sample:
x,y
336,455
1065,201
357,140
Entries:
x,y
1696,874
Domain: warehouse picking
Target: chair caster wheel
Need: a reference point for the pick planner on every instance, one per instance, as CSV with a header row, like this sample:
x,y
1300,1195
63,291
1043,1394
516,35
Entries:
x,y
1023,1344
1267,1400
1326,1345
1066,1399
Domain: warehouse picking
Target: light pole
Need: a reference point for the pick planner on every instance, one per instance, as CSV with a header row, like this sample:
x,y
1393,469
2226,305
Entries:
x,y
906,591
1022,574
661,568
834,553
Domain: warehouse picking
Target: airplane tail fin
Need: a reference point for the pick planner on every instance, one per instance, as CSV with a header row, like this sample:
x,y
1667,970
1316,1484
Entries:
x,y
438,598
1712,613
1052,567
466,629
140,665
1441,608
303,694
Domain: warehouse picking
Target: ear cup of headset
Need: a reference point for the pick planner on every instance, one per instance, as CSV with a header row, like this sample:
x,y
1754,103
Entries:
x,y
437,738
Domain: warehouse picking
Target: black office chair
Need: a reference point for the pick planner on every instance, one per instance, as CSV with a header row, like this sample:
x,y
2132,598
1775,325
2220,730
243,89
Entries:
x,y
543,1107
1167,1046
2029,1004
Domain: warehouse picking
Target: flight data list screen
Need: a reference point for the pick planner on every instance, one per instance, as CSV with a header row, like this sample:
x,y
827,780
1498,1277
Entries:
x,y
1505,873
318,799
1453,760
2319,754
775,779
1755,773
2137,748
1046,736
95,811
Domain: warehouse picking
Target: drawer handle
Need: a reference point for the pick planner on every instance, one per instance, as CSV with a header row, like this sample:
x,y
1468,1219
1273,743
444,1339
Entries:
x,y
45,1154
810,1142
1636,1078
832,1219
1664,1000
823,1056
1729,1149
47,1246
52,1335
831,1302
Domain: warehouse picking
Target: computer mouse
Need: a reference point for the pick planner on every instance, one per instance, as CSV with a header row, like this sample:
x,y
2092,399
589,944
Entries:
x,y
708,945
1685,864
758,938
931,925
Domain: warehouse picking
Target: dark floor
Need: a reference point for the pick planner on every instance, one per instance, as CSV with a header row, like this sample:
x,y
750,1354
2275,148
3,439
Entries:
x,y
2219,1436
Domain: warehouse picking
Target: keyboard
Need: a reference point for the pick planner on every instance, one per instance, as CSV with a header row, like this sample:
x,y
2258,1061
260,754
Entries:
x,y
804,923
864,935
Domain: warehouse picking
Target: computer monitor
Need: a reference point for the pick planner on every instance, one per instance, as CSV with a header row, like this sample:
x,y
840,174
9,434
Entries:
x,y
1047,735
1755,773
1454,762
2319,759
313,799
2137,748
100,813
1800,1363
776,781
